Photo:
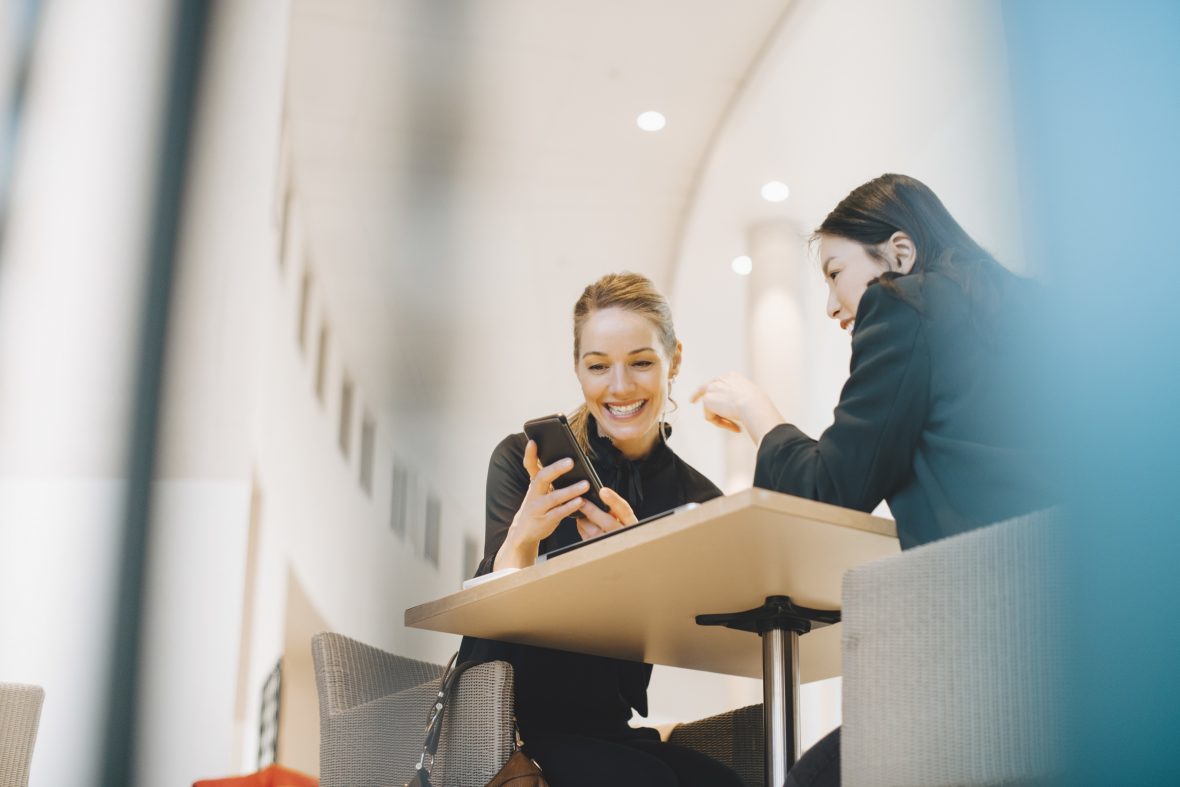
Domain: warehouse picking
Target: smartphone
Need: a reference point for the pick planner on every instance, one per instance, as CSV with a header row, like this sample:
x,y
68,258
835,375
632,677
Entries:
x,y
555,441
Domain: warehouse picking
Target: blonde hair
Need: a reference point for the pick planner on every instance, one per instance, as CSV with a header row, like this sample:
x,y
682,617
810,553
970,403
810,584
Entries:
x,y
625,290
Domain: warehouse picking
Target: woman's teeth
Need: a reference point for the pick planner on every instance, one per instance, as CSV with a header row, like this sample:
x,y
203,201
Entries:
x,y
625,410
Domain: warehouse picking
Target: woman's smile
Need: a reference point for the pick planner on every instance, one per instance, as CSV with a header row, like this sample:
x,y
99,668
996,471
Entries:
x,y
624,411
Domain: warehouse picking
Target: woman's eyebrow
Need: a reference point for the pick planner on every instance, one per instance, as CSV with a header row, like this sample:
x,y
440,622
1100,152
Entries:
x,y
828,262
633,352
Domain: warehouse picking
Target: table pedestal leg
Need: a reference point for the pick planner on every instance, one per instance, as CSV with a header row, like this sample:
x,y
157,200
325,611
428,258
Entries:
x,y
780,703
780,623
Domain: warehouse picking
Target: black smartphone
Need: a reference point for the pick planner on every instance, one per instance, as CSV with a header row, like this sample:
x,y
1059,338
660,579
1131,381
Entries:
x,y
555,441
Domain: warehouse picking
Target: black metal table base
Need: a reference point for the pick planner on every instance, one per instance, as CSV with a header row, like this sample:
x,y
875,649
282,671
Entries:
x,y
780,623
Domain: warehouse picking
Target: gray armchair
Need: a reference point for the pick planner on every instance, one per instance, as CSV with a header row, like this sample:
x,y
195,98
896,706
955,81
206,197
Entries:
x,y
951,657
373,711
734,738
20,714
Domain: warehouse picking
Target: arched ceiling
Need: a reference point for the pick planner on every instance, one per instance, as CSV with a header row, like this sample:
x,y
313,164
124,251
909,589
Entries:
x,y
470,166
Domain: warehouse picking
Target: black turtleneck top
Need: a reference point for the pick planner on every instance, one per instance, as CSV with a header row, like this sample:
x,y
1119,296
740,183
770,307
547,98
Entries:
x,y
559,691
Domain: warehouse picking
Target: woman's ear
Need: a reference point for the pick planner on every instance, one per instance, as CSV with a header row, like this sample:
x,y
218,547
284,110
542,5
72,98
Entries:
x,y
902,252
674,365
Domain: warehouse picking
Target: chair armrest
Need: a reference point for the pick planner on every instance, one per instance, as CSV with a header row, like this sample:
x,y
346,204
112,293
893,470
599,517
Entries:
x,y
734,738
350,673
950,657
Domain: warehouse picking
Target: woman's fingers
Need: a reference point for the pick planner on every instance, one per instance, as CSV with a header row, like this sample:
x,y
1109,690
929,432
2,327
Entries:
x,y
617,515
543,476
619,508
562,494
721,421
531,463
715,395
599,518
721,395
540,515
544,506
546,475
554,516
587,529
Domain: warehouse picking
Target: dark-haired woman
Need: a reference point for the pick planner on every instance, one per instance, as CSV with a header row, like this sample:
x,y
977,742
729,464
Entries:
x,y
573,709
938,416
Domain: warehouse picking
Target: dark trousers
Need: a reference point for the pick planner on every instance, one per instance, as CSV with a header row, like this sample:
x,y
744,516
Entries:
x,y
578,760
820,765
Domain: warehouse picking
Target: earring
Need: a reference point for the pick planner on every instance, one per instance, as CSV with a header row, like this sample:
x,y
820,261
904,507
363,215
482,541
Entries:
x,y
667,399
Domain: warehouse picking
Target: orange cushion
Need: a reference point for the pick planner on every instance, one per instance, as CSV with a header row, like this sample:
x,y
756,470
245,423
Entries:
x,y
270,776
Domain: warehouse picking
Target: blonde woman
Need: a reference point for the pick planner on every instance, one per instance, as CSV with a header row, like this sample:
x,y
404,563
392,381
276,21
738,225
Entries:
x,y
573,709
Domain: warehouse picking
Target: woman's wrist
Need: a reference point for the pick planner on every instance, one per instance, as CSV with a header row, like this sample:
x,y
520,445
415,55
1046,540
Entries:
x,y
515,552
759,416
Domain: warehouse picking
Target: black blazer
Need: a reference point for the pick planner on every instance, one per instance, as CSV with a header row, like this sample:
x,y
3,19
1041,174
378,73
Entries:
x,y
938,416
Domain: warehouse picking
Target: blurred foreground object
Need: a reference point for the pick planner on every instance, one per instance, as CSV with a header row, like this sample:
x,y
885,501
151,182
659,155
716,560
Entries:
x,y
1097,111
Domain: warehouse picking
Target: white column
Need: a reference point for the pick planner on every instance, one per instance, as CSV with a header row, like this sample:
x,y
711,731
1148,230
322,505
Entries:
x,y
778,352
777,343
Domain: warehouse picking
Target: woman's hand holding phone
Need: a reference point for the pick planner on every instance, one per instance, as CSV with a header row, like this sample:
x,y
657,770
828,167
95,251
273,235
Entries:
x,y
595,521
540,512
544,506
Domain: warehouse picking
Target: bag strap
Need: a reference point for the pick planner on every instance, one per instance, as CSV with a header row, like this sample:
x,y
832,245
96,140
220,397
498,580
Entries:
x,y
446,687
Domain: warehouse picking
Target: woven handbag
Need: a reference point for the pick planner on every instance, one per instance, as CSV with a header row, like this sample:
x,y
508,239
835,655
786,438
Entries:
x,y
519,771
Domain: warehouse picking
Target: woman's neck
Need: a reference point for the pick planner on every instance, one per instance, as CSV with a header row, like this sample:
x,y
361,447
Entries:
x,y
638,449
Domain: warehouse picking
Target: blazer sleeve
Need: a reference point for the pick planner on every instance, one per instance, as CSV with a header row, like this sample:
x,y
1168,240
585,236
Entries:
x,y
508,482
868,450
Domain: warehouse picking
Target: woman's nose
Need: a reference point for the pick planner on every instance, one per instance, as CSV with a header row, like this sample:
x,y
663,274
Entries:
x,y
833,305
620,380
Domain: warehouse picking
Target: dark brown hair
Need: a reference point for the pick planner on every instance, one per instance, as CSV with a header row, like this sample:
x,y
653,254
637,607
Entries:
x,y
873,212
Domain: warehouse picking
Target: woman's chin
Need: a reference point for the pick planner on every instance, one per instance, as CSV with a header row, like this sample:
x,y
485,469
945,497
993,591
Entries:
x,y
634,432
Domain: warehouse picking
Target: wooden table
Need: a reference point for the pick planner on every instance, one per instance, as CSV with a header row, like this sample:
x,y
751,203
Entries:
x,y
636,596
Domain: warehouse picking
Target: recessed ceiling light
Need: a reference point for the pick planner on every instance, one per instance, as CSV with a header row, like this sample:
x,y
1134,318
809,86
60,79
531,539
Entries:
x,y
775,191
651,121
742,265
